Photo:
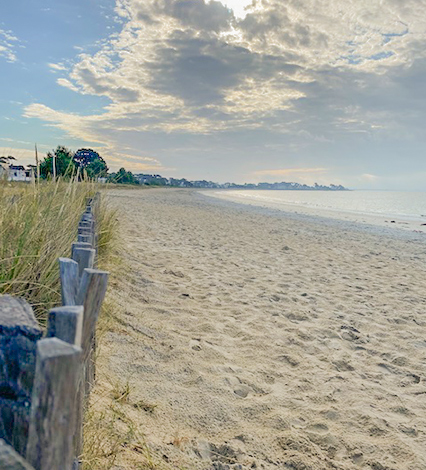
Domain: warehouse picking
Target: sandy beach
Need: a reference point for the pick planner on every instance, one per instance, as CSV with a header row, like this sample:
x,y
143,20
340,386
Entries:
x,y
266,340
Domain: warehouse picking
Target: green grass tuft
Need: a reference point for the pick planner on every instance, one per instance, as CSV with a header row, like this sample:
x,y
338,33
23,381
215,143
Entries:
x,y
38,224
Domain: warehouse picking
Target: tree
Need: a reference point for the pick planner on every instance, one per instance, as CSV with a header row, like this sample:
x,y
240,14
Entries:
x,y
91,162
123,177
63,163
7,159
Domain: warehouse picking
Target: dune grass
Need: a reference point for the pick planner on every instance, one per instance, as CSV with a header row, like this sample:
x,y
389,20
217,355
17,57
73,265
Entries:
x,y
38,224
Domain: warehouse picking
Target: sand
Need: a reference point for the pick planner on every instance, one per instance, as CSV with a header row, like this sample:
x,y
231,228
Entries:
x,y
268,340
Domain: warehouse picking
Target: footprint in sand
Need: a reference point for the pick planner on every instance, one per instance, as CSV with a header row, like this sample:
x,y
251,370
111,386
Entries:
x,y
240,389
318,428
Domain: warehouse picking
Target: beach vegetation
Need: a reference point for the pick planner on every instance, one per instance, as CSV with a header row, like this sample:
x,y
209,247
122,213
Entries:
x,y
7,159
145,406
121,392
38,224
62,158
123,177
90,163
86,163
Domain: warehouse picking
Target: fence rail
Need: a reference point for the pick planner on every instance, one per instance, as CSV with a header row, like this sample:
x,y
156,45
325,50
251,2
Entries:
x,y
46,377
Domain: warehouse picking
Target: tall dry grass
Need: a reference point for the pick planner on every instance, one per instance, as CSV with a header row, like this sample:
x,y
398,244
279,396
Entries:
x,y
38,223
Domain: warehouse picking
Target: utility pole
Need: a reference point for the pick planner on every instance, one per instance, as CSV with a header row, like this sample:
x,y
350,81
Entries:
x,y
54,165
37,164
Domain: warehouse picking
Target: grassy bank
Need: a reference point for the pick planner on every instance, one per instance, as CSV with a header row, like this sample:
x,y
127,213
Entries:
x,y
38,224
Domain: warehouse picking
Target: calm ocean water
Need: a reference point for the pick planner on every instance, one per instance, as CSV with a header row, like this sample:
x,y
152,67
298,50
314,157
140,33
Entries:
x,y
396,204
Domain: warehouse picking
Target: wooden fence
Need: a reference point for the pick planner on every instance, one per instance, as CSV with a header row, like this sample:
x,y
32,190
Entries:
x,y
46,378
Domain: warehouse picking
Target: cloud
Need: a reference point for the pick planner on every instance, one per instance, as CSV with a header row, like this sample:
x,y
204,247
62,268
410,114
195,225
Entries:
x,y
98,131
67,84
57,67
369,177
8,44
289,171
303,76
196,14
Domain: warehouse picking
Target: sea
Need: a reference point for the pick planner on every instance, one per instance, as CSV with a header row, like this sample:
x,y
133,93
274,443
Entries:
x,y
402,208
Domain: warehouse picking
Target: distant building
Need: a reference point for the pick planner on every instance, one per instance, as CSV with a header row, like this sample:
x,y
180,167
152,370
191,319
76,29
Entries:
x,y
156,180
18,173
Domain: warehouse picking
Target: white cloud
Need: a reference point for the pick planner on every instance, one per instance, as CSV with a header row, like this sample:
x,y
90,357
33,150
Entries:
x,y
8,44
239,7
369,177
67,84
57,67
290,171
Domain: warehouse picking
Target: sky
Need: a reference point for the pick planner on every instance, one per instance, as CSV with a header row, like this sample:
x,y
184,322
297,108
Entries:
x,y
242,91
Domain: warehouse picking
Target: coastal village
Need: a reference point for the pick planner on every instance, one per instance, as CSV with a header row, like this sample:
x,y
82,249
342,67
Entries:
x,y
89,159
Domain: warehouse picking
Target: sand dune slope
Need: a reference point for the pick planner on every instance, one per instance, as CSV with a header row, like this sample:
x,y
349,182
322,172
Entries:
x,y
268,342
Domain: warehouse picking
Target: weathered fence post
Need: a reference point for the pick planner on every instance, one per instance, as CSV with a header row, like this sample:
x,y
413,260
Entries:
x,y
91,294
85,239
11,460
66,324
86,228
87,217
70,280
76,245
86,225
50,442
84,255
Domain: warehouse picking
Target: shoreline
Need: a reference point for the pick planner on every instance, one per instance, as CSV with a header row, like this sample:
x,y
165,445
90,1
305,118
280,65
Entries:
x,y
372,226
393,223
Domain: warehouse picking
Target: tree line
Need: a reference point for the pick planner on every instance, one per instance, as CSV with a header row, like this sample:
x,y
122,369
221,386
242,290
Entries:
x,y
85,162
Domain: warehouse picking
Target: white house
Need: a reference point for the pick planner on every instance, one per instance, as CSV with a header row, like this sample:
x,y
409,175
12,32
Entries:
x,y
18,173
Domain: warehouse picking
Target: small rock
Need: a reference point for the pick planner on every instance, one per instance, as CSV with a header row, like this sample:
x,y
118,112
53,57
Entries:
x,y
204,450
242,391
195,345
